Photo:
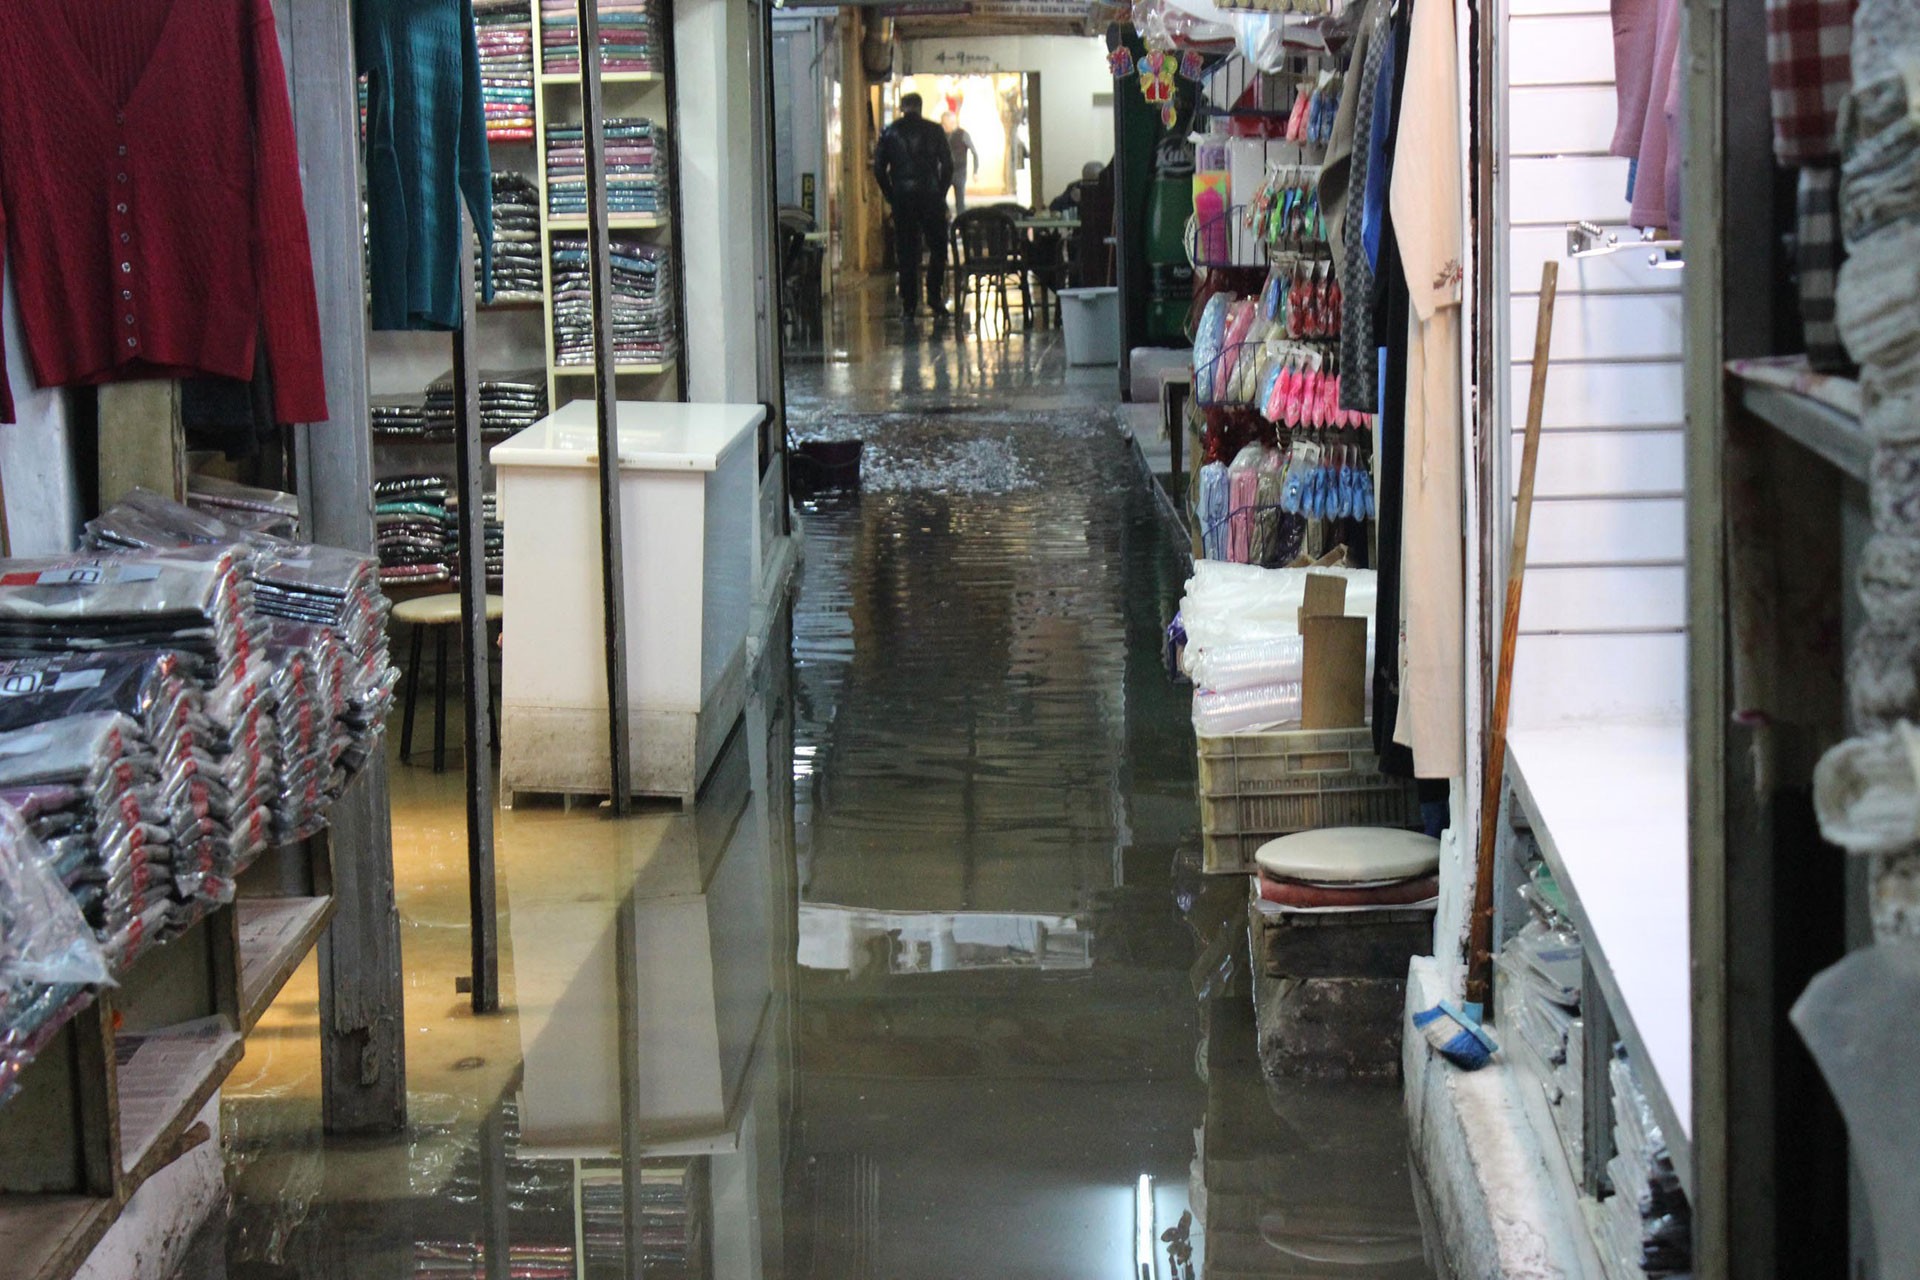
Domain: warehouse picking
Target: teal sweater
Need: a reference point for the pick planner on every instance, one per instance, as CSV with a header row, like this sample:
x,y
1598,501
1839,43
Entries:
x,y
426,150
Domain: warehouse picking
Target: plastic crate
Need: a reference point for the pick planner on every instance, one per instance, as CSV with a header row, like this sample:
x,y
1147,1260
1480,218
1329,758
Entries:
x,y
1256,786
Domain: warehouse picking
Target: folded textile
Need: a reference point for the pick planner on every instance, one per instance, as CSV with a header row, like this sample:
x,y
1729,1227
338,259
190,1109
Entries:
x,y
1295,893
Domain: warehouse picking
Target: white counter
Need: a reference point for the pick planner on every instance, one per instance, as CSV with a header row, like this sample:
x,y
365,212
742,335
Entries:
x,y
688,480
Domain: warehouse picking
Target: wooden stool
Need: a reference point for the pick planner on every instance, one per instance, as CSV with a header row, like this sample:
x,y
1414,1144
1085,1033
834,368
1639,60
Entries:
x,y
439,614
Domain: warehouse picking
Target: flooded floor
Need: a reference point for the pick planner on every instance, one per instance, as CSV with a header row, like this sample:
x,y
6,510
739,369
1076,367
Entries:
x,y
925,985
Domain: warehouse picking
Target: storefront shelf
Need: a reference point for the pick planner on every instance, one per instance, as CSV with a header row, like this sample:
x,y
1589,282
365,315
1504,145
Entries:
x,y
1608,806
50,1236
276,934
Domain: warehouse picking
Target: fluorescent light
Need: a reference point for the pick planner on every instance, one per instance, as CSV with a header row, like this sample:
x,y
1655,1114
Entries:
x,y
1147,1239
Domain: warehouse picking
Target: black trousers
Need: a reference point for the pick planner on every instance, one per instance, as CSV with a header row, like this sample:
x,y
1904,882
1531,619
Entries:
x,y
920,231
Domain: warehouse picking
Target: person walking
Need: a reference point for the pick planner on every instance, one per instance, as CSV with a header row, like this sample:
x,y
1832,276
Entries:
x,y
914,167
966,159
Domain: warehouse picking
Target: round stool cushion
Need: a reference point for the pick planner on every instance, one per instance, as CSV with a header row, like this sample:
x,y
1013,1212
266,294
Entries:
x,y
441,610
1350,855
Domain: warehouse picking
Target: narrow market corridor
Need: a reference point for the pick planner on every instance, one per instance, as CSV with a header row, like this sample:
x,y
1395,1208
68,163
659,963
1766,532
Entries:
x,y
921,988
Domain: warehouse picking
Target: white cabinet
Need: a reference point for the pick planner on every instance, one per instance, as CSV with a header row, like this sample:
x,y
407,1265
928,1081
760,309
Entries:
x,y
687,490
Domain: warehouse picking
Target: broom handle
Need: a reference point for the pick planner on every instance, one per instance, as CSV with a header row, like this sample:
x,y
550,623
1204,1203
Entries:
x,y
1480,936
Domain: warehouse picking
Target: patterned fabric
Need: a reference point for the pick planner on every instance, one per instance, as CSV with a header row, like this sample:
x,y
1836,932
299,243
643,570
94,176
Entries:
x,y
1359,350
1808,44
1817,261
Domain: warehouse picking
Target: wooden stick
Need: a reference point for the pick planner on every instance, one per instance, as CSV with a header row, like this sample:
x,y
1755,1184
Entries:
x,y
1480,935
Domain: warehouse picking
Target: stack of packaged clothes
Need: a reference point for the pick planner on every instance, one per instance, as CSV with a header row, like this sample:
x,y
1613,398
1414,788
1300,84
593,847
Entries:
x,y
1647,1228
629,36
266,511
410,530
504,31
399,417
324,613
83,633
516,239
511,400
495,535
642,303
1537,1000
48,956
635,169
1348,869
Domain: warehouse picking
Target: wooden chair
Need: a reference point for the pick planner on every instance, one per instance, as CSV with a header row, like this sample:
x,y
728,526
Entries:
x,y
986,255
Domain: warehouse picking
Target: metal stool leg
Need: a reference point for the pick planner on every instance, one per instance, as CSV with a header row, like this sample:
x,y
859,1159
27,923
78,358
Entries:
x,y
440,699
413,695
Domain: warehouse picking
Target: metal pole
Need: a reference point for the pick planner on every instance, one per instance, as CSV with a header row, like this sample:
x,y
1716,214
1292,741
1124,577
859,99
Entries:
x,y
468,456
600,270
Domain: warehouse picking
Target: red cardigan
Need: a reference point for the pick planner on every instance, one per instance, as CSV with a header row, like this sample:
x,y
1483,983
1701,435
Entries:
x,y
150,196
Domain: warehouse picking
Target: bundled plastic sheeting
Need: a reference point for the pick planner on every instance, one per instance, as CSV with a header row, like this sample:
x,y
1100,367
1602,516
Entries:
x,y
1243,647
48,955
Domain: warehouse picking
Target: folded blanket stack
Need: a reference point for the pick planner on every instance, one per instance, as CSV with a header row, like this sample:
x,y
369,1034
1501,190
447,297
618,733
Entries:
x,y
635,168
410,530
643,326
399,417
504,32
516,239
255,510
629,36
510,400
495,535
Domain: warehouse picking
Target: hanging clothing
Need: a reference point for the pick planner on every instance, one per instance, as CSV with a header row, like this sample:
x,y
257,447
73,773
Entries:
x,y
1426,200
1810,71
145,145
1336,171
1359,351
426,152
1659,146
1636,36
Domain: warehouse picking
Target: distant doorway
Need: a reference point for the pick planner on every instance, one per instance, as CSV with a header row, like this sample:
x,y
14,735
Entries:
x,y
995,109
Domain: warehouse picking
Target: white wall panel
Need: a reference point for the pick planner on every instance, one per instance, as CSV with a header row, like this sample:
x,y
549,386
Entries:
x,y
1568,680
1568,189
1599,464
1607,530
1623,272
1601,327
1559,120
1604,598
1560,49
1604,395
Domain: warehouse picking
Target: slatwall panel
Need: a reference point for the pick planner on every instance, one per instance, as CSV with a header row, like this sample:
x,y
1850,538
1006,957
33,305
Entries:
x,y
1602,631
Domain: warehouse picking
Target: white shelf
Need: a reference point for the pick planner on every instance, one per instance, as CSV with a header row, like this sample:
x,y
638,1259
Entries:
x,y
615,222
1608,804
620,370
606,77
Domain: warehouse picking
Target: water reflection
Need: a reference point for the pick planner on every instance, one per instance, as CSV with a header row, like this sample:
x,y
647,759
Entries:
x,y
920,989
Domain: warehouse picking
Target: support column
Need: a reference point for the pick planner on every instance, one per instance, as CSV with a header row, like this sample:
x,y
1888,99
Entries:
x,y
362,1030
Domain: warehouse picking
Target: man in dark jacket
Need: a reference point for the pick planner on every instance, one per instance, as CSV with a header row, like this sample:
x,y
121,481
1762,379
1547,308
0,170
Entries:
x,y
914,167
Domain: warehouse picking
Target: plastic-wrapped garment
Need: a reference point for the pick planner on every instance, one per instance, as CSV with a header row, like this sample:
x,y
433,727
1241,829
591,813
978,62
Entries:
x,y
1550,959
1214,508
1261,708
260,510
1208,344
1270,546
48,952
1243,493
